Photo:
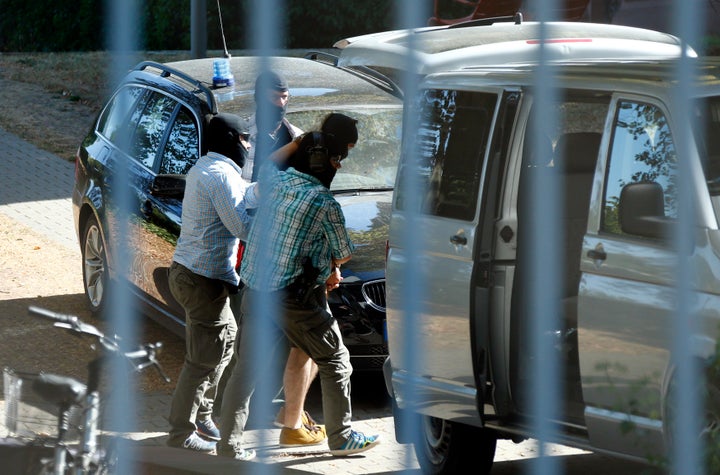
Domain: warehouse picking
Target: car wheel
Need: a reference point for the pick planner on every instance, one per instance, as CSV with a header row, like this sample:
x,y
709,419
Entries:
x,y
94,261
449,447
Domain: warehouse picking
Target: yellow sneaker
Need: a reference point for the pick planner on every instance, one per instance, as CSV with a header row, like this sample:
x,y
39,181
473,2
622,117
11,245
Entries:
x,y
307,421
302,437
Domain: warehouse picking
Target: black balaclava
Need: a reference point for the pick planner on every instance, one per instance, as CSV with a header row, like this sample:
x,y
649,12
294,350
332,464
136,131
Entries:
x,y
344,129
223,137
268,115
314,156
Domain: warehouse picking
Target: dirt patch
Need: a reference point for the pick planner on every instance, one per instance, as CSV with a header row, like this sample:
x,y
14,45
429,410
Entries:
x,y
37,271
52,99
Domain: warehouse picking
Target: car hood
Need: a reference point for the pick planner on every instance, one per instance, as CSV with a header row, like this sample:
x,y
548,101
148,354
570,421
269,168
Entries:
x,y
367,218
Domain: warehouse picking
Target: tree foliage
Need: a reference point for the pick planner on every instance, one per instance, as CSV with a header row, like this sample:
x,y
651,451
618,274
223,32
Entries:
x,y
81,25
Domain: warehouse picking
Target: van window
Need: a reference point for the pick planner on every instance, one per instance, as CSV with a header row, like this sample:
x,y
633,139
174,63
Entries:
x,y
642,150
452,138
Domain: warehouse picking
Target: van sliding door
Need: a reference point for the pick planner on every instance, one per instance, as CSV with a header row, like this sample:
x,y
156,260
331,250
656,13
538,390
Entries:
x,y
453,143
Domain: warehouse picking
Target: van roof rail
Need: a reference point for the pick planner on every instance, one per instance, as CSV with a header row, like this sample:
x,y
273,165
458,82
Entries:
x,y
368,74
517,18
196,87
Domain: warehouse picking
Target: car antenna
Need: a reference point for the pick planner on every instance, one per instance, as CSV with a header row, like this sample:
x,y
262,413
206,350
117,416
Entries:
x,y
222,73
222,31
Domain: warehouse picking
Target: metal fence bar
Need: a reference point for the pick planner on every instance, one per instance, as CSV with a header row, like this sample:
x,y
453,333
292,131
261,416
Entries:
x,y
411,15
122,307
267,37
544,266
685,421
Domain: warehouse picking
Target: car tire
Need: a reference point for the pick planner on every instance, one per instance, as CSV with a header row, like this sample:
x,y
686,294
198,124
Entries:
x,y
94,262
449,447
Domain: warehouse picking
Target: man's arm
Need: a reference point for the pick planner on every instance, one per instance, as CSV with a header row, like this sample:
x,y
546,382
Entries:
x,y
282,154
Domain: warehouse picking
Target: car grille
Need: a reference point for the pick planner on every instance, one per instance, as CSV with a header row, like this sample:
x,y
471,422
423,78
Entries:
x,y
374,294
368,358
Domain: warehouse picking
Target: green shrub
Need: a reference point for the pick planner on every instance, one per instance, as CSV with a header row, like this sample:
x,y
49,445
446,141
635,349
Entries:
x,y
80,25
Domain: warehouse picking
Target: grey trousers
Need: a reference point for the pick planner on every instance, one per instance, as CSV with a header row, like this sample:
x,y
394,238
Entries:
x,y
209,337
313,329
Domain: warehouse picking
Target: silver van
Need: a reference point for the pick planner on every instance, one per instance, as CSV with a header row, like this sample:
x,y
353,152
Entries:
x,y
485,177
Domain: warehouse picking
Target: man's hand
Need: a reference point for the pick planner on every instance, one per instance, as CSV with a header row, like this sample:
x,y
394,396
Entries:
x,y
333,282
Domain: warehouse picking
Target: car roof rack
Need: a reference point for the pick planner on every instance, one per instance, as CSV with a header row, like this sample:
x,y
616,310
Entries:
x,y
368,74
166,71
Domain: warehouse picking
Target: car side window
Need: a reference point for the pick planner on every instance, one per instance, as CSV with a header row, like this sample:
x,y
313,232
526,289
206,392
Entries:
x,y
151,128
113,123
182,148
450,165
642,151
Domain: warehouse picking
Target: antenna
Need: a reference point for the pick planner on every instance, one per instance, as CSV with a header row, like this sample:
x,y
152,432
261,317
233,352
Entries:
x,y
222,31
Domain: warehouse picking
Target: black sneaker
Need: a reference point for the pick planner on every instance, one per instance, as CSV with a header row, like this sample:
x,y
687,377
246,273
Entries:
x,y
208,429
197,443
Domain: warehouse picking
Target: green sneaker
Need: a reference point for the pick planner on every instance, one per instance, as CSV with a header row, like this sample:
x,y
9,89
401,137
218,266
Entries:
x,y
358,442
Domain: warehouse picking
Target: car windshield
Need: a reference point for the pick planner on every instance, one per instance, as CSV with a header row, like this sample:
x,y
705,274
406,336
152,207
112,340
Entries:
x,y
372,163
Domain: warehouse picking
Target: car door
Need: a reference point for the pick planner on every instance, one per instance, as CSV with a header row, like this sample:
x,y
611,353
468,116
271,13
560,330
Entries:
x,y
170,140
627,292
155,140
458,168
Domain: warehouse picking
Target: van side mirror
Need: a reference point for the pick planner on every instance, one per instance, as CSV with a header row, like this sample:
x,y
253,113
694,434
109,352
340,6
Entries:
x,y
641,211
168,186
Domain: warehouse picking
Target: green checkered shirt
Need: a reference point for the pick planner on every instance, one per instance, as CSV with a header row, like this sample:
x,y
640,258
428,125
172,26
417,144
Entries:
x,y
298,218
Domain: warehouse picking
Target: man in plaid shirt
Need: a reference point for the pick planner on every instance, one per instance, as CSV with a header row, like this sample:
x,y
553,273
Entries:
x,y
295,246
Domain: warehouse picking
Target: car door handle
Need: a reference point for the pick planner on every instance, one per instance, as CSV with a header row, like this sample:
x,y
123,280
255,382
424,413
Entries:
x,y
597,254
458,240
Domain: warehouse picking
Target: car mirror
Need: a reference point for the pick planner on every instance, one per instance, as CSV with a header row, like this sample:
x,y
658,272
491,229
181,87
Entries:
x,y
168,186
642,211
